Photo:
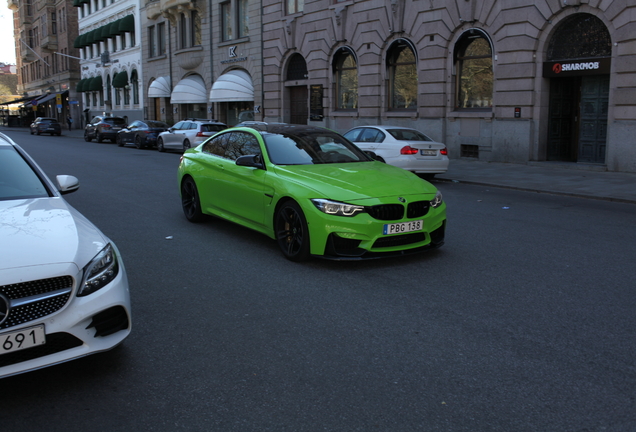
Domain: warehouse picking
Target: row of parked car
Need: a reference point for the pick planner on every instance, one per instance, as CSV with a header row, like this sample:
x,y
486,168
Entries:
x,y
406,148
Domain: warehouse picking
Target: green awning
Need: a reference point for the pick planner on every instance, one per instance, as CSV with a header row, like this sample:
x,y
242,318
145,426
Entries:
x,y
120,80
79,87
95,84
77,3
127,24
85,1
78,42
114,28
104,32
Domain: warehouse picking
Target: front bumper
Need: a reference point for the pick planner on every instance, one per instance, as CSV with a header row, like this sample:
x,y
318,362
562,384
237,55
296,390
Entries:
x,y
83,326
361,236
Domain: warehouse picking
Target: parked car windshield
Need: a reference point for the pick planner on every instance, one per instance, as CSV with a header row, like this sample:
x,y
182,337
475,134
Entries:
x,y
17,178
408,135
315,147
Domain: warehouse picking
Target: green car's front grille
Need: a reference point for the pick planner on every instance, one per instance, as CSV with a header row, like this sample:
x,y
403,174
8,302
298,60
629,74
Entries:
x,y
388,212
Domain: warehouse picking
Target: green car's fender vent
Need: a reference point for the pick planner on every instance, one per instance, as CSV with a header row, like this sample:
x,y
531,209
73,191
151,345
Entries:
x,y
399,240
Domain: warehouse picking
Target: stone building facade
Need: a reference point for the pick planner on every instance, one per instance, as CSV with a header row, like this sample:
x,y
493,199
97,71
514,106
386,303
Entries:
x,y
47,64
110,51
550,80
202,59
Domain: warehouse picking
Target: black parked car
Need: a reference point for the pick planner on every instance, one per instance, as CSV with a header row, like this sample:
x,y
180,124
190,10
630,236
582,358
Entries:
x,y
46,125
103,127
141,133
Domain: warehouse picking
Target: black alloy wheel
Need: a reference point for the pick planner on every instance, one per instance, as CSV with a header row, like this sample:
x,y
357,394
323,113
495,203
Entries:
x,y
138,142
160,146
190,200
291,231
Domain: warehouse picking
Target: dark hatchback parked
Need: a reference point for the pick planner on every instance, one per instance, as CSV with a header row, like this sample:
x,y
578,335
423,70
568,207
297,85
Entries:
x,y
47,125
141,133
103,127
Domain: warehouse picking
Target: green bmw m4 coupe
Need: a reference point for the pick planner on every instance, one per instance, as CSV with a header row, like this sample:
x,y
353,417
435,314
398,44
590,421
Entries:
x,y
312,191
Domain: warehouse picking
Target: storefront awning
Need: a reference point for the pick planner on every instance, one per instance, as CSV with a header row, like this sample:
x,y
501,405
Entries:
x,y
120,80
233,86
46,98
189,90
94,84
159,88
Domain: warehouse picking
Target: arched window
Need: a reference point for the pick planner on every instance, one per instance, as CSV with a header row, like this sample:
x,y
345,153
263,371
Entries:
x,y
134,83
345,69
473,62
580,36
297,68
402,74
109,100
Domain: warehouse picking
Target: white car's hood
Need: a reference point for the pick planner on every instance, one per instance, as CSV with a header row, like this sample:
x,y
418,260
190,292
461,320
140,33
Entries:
x,y
41,231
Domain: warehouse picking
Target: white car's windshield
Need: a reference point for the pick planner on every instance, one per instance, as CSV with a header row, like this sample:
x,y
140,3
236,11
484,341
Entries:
x,y
17,178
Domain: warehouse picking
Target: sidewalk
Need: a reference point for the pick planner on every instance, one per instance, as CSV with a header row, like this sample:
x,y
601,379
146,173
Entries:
x,y
586,181
580,180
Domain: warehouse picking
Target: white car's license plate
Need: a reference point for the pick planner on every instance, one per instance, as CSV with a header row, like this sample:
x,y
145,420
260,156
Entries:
x,y
402,227
22,339
428,152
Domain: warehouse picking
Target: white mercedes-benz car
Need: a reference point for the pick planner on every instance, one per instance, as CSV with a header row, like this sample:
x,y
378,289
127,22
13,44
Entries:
x,y
63,287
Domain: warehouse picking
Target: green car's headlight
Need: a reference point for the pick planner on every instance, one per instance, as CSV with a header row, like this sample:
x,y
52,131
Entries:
x,y
337,208
99,272
437,201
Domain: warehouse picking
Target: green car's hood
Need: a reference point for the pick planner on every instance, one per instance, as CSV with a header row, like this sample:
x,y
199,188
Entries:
x,y
356,181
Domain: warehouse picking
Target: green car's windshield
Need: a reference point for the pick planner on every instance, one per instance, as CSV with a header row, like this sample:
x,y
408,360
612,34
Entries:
x,y
315,147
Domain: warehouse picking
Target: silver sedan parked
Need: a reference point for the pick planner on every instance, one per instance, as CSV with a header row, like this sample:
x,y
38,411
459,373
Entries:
x,y
402,147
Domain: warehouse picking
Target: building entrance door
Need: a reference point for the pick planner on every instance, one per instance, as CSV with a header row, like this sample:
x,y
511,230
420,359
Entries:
x,y
577,126
298,105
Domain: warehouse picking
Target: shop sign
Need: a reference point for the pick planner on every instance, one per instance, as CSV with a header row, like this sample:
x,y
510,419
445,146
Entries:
x,y
568,68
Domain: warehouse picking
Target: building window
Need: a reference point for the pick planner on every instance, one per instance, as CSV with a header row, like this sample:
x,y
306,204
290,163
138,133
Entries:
x,y
134,83
297,68
402,73
183,31
151,42
195,29
53,23
580,36
345,70
473,62
295,6
243,19
109,100
226,21
161,38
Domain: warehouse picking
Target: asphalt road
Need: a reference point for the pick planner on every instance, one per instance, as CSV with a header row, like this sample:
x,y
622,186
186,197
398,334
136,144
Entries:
x,y
524,321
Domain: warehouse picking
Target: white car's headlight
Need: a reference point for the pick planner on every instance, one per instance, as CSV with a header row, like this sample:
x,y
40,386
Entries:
x,y
437,201
337,208
99,272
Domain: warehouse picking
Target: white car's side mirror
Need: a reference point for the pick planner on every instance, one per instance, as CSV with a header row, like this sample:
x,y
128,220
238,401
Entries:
x,y
67,184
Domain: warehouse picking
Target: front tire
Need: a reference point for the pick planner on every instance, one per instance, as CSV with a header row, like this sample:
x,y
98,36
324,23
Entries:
x,y
190,201
292,233
138,142
160,146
